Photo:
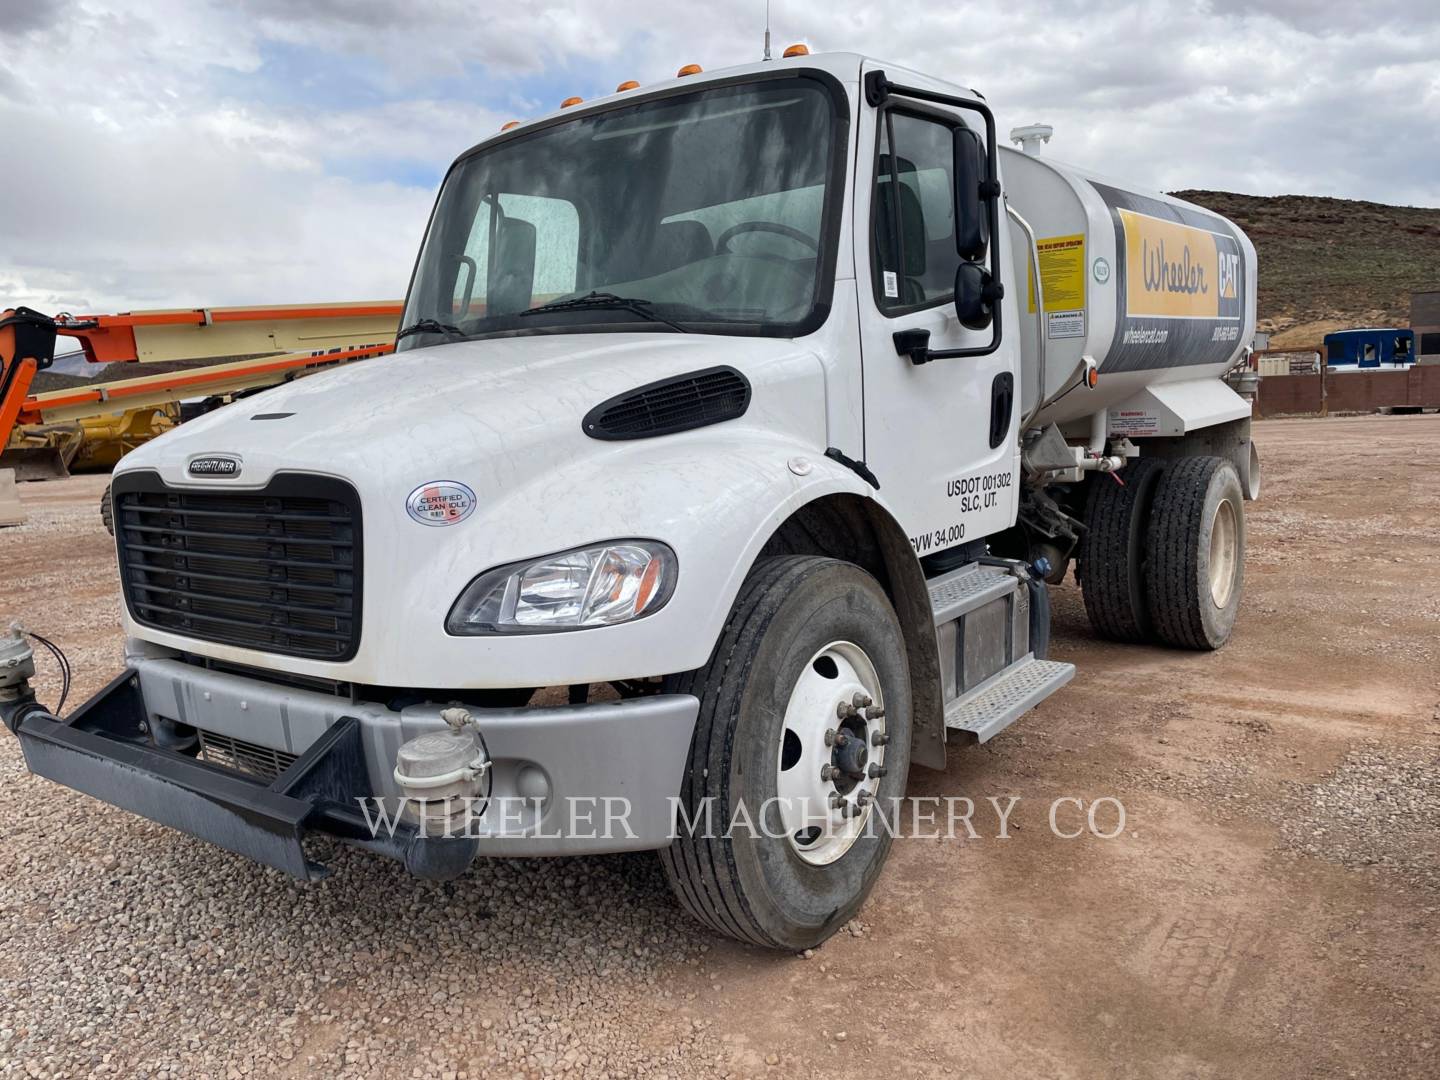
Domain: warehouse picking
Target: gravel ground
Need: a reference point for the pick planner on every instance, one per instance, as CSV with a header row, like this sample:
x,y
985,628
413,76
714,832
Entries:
x,y
1379,809
1270,910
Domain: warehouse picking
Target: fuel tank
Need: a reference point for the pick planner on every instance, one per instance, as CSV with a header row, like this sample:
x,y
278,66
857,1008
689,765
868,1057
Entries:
x,y
1152,288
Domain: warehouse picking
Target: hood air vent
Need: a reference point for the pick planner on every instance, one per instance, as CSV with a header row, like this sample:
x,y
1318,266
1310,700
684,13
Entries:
x,y
695,399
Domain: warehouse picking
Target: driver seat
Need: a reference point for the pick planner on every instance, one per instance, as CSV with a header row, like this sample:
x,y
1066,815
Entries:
x,y
679,243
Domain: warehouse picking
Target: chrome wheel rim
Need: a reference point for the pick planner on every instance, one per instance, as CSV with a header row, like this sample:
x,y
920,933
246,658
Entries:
x,y
1224,554
832,753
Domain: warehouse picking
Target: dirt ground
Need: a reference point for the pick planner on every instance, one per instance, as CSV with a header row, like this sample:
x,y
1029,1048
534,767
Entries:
x,y
1270,909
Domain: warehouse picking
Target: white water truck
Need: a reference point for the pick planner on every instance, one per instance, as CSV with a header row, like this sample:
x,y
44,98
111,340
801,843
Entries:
x,y
755,408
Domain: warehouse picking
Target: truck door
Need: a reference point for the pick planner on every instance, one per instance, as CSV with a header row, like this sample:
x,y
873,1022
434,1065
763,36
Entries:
x,y
939,436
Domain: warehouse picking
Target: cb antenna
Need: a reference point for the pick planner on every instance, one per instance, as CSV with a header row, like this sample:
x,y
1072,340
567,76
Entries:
x,y
767,30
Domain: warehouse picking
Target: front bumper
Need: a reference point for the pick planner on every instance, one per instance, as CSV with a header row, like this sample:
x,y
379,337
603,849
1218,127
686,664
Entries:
x,y
567,780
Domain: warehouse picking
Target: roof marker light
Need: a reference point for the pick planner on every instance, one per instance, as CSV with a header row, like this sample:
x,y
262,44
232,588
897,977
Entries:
x,y
628,84
571,101
797,50
689,69
509,124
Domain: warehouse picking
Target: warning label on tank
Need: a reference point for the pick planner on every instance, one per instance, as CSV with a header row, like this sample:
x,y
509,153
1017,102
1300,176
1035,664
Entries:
x,y
1133,422
1065,324
1062,272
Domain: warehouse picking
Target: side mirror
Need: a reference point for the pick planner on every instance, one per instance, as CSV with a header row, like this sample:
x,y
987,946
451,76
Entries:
x,y
972,229
976,294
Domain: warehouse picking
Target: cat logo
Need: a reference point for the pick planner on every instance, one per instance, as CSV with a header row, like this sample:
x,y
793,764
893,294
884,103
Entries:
x,y
1229,275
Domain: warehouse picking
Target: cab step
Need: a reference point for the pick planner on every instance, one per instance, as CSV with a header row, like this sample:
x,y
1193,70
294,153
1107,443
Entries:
x,y
999,701
968,589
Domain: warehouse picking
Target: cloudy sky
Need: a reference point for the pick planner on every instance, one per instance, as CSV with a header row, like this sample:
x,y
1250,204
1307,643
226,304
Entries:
x,y
178,153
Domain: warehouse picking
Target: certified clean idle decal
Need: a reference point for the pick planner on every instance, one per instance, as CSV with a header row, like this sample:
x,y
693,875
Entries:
x,y
440,502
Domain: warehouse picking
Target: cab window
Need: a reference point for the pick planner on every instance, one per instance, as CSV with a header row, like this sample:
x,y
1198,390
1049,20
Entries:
x,y
912,248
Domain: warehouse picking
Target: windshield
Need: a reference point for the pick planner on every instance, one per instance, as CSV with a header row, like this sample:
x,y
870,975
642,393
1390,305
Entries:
x,y
705,212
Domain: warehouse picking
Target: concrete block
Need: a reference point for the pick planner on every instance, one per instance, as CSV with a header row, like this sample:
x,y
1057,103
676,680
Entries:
x,y
11,512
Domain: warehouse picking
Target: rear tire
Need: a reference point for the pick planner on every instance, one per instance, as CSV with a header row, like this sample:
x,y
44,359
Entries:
x,y
798,622
1195,565
1112,551
107,510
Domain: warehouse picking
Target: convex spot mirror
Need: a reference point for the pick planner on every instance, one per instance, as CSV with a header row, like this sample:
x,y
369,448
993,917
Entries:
x,y
976,293
972,227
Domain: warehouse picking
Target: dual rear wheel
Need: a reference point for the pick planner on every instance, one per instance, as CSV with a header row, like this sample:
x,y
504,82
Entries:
x,y
1163,554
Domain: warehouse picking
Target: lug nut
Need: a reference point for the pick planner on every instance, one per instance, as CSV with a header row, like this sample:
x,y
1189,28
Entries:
x,y
836,800
877,771
829,736
879,739
845,710
863,797
828,772
860,700
841,738
875,712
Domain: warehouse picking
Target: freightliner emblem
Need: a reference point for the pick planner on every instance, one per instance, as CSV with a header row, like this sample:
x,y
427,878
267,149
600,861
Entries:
x,y
220,465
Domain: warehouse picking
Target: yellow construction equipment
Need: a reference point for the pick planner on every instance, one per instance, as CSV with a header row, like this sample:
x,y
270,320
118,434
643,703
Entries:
x,y
45,435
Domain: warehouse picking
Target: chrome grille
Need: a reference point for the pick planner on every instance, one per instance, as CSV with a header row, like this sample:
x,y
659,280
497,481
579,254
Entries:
x,y
243,756
277,570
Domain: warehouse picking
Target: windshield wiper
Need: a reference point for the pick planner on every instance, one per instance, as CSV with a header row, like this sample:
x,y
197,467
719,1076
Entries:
x,y
604,301
430,326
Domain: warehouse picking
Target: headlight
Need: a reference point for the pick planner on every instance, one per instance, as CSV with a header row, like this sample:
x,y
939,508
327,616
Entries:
x,y
594,586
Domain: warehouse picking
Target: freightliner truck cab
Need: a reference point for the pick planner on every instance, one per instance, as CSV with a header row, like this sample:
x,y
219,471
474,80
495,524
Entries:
x,y
734,427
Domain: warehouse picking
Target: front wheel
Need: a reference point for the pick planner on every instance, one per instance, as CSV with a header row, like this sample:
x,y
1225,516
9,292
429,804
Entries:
x,y
799,758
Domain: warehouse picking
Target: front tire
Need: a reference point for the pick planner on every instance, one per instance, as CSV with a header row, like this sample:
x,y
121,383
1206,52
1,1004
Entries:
x,y
805,637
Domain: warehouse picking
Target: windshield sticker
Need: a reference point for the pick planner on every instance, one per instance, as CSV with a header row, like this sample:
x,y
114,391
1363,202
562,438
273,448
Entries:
x,y
892,284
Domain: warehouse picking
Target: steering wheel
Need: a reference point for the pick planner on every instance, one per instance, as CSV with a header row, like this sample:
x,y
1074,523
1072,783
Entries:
x,y
722,245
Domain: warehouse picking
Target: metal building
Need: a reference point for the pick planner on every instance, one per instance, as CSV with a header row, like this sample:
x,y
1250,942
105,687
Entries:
x,y
1425,322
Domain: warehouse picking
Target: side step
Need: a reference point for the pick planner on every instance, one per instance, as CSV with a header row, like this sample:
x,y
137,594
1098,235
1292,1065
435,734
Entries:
x,y
967,589
999,701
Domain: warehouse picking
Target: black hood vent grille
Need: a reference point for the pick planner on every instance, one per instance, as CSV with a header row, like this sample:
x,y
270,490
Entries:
x,y
695,399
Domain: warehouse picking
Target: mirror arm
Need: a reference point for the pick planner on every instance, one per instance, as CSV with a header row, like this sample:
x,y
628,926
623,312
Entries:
x,y
915,343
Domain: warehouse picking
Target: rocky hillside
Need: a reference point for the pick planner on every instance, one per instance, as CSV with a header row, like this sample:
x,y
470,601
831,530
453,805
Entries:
x,y
1327,264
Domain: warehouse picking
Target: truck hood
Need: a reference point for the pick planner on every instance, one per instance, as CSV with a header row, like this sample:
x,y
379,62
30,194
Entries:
x,y
488,413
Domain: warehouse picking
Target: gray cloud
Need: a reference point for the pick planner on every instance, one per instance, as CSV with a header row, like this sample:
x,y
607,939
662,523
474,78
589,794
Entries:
x,y
26,16
142,184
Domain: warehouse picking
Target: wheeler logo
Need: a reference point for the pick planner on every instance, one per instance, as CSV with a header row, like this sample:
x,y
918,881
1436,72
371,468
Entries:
x,y
440,502
214,465
1179,271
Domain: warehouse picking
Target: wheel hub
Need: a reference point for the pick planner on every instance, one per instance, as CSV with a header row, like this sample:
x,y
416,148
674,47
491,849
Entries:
x,y
832,753
851,755
1224,554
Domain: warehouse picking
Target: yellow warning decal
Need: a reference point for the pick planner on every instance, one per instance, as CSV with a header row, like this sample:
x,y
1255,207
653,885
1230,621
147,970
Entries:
x,y
1062,272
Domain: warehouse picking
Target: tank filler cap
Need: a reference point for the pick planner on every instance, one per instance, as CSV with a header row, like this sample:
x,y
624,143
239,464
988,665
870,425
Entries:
x,y
1029,137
